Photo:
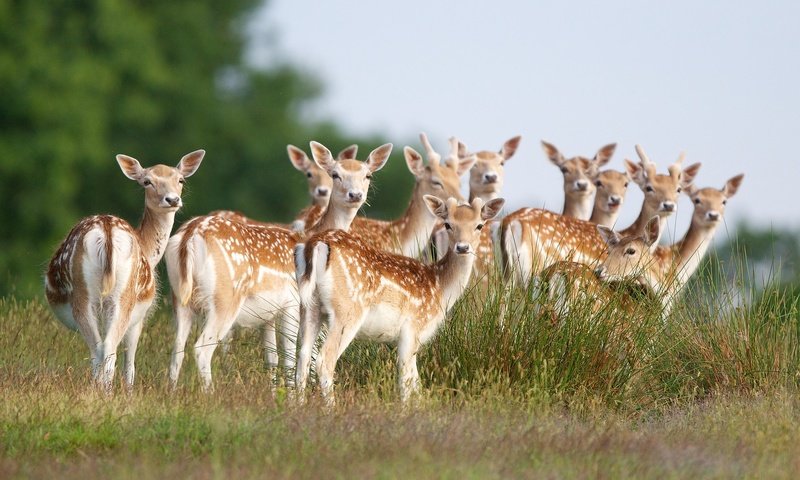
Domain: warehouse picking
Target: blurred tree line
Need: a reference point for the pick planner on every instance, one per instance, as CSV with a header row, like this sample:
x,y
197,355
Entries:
x,y
83,80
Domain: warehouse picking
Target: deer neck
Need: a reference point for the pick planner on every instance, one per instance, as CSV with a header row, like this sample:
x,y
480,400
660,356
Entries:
x,y
601,217
485,196
580,208
335,218
452,275
690,251
154,233
637,227
415,227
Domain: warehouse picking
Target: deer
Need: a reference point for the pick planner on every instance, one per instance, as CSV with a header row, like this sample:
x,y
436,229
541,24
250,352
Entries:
x,y
611,187
319,189
409,234
486,180
101,280
532,239
382,296
661,271
235,273
579,189
628,273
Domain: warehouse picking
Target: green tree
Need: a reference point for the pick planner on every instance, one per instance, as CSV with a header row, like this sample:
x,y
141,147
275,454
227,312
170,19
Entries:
x,y
83,80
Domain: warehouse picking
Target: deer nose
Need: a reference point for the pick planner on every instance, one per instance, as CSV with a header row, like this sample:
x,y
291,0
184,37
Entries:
x,y
173,200
322,191
355,196
581,185
614,199
600,272
668,206
490,177
462,248
713,216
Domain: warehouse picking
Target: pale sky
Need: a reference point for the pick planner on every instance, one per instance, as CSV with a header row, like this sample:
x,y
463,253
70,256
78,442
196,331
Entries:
x,y
716,79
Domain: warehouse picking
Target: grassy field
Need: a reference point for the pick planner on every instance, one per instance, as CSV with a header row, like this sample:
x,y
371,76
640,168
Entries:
x,y
713,392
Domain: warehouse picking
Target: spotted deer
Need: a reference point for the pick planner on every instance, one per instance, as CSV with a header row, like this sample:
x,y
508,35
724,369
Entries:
x,y
533,239
661,271
242,274
409,234
486,178
382,296
628,274
579,189
319,189
611,187
101,280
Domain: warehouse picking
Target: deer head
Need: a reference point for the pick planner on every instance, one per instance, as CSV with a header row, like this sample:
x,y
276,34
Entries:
x,y
350,178
486,176
163,185
631,256
464,222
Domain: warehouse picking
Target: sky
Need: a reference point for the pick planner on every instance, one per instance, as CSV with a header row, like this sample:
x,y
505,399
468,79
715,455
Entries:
x,y
717,80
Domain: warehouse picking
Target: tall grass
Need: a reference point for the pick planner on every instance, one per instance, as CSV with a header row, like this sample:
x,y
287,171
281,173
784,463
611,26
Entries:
x,y
507,385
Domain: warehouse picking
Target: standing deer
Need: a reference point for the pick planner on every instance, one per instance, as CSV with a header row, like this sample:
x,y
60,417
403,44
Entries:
x,y
578,172
243,274
382,296
533,239
486,180
409,234
101,280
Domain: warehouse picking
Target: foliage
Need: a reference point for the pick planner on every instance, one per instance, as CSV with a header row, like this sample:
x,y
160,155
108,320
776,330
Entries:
x,y
85,80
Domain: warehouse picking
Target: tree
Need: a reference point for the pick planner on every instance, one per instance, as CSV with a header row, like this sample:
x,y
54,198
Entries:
x,y
84,80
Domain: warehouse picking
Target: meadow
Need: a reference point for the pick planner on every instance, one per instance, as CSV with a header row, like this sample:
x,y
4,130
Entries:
x,y
711,392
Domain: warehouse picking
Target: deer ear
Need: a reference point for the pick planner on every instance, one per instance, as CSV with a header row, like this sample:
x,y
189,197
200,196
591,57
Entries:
x,y
492,208
464,164
130,167
732,185
609,236
414,161
652,231
378,157
436,205
298,158
191,162
462,150
690,190
604,155
552,153
322,156
348,153
636,172
510,147
689,173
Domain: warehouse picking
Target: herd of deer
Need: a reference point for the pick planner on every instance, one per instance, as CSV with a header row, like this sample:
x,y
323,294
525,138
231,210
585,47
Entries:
x,y
364,277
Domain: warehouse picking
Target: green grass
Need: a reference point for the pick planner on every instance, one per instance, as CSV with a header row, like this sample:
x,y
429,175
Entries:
x,y
712,392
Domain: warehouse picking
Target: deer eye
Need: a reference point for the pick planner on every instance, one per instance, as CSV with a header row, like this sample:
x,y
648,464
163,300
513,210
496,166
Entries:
x,y
369,176
335,176
630,251
679,189
147,182
649,189
598,183
181,181
626,184
437,184
724,202
564,170
697,201
479,227
308,174
447,226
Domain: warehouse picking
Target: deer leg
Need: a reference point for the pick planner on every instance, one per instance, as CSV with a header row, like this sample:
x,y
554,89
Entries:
x,y
132,341
342,329
408,375
218,323
183,324
309,327
288,341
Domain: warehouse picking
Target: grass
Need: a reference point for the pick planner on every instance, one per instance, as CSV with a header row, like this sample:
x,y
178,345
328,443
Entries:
x,y
713,392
